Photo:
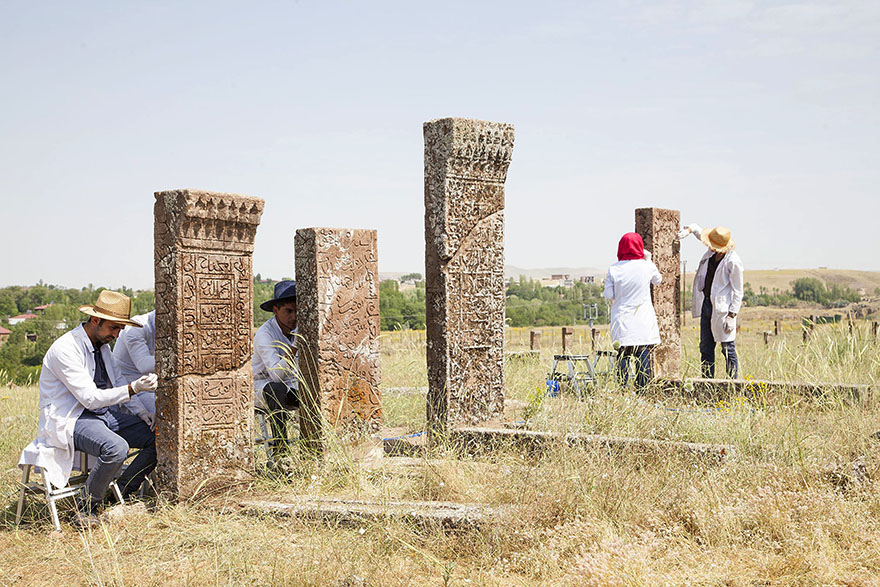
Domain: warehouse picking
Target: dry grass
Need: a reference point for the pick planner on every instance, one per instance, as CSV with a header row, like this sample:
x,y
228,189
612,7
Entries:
x,y
799,505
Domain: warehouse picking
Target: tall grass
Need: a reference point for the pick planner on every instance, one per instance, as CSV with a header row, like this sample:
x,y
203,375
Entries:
x,y
799,505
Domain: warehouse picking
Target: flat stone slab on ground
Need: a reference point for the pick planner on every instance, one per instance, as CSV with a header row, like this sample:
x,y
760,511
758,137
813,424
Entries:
x,y
351,512
522,355
482,439
716,388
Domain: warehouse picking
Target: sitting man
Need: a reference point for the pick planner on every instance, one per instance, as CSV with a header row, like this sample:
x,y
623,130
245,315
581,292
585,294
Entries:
x,y
275,373
80,390
135,356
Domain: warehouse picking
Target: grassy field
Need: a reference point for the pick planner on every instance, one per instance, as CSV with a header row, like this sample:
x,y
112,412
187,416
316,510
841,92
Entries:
x,y
799,505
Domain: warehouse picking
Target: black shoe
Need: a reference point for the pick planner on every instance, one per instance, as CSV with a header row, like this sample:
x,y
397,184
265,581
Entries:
x,y
85,520
85,515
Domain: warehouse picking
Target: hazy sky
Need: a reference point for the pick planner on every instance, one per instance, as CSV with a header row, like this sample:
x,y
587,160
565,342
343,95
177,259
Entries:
x,y
762,116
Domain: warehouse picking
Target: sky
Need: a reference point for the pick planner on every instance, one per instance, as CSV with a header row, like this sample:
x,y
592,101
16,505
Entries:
x,y
761,116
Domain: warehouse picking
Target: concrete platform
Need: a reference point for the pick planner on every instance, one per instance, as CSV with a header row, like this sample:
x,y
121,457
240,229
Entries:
x,y
355,513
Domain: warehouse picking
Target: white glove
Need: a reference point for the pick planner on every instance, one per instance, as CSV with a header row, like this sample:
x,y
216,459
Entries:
x,y
148,418
690,229
729,324
145,383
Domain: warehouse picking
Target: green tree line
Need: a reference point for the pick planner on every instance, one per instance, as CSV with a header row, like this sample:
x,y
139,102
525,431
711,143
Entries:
x,y
805,289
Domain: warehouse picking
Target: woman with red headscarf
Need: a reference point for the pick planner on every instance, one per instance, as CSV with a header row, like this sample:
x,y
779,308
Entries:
x,y
633,321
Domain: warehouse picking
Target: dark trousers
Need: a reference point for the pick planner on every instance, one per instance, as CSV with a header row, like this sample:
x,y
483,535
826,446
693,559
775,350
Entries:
x,y
280,399
108,436
641,357
707,346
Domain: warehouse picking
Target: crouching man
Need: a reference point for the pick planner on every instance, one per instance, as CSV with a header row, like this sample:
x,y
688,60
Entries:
x,y
276,383
80,392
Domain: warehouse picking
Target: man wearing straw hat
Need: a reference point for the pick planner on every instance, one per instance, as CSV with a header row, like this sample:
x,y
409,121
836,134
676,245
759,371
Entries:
x,y
717,297
276,383
80,391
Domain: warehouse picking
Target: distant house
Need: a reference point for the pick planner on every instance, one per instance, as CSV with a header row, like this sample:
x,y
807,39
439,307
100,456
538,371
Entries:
x,y
21,318
42,309
4,335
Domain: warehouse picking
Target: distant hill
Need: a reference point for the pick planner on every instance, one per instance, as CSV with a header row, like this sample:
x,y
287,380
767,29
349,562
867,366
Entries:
x,y
782,278
515,272
769,278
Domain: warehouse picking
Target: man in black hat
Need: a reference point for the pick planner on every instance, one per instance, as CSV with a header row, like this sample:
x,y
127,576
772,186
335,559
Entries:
x,y
276,382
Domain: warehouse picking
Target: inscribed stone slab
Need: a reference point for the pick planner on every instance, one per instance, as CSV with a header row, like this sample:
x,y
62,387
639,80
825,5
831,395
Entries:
x,y
204,342
659,229
466,164
338,319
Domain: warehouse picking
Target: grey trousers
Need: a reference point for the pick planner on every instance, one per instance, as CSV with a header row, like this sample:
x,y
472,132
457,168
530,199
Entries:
x,y
108,436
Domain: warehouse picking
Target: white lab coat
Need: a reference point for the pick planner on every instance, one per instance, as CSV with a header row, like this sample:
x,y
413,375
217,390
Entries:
x,y
135,350
628,285
67,388
135,356
269,362
726,295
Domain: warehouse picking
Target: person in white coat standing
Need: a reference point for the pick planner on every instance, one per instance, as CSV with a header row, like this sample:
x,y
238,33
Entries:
x,y
717,297
633,320
80,390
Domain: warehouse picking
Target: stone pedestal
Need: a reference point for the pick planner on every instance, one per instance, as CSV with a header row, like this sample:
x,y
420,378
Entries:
x,y
337,292
204,341
466,165
659,229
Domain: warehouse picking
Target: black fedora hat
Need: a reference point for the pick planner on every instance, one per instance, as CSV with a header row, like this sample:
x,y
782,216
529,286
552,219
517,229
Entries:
x,y
285,291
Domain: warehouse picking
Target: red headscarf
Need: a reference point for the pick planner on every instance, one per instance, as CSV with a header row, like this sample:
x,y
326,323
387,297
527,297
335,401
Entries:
x,y
630,247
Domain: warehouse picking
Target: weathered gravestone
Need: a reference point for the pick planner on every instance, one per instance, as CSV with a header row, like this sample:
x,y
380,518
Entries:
x,y
567,339
534,339
204,319
337,292
659,229
466,165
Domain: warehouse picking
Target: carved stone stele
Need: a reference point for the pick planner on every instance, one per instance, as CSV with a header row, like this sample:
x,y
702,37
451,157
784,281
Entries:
x,y
466,164
204,339
337,293
659,229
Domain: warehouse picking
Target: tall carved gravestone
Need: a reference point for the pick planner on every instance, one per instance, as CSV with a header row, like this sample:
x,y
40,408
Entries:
x,y
337,292
659,229
204,342
466,165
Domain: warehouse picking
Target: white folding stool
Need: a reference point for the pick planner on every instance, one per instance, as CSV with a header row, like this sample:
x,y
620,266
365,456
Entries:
x,y
75,485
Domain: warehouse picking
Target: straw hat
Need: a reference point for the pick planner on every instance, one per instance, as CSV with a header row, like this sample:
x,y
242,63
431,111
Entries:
x,y
113,306
718,239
